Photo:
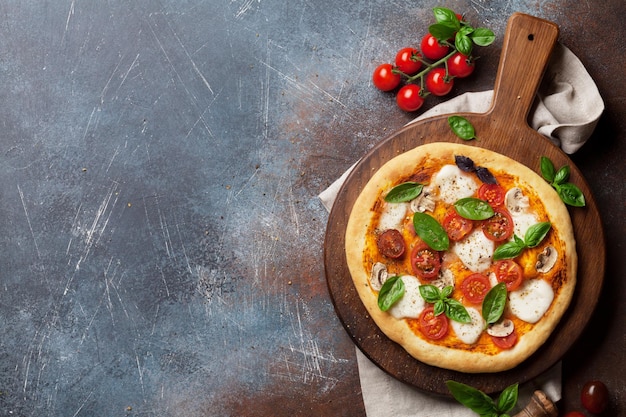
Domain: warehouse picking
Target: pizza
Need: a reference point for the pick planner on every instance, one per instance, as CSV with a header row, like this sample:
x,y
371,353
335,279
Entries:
x,y
463,256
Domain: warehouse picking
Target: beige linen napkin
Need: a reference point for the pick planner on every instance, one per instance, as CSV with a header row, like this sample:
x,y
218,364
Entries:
x,y
566,110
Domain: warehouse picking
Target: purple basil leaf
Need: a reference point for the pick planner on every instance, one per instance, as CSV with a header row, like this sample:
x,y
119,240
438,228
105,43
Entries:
x,y
464,163
485,176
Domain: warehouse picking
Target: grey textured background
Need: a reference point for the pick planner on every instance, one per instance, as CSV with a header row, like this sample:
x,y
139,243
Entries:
x,y
160,235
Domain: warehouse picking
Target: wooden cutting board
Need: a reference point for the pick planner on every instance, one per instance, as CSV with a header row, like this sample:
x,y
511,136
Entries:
x,y
527,46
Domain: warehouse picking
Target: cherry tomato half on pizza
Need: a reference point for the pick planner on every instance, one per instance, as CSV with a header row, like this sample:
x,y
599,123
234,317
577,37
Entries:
x,y
498,227
431,326
509,272
425,261
475,287
506,342
457,226
391,243
492,194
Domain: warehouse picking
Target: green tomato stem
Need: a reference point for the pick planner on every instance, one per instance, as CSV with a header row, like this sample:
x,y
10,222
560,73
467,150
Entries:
x,y
435,64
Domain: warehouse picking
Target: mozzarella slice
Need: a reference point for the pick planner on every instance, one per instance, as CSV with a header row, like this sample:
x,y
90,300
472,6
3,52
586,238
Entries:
x,y
531,301
454,184
522,221
411,304
475,251
519,208
469,333
392,216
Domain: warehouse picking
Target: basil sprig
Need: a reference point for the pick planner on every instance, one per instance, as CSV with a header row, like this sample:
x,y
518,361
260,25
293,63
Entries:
x,y
406,191
569,193
462,127
391,291
430,231
533,237
473,208
481,403
494,303
452,308
465,36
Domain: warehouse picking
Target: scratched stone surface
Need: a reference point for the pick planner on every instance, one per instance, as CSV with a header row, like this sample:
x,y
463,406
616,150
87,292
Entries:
x,y
161,235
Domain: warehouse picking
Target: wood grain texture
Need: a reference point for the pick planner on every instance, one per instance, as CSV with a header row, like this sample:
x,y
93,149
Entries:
x,y
504,129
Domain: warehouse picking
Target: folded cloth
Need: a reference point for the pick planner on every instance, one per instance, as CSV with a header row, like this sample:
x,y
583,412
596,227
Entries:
x,y
566,109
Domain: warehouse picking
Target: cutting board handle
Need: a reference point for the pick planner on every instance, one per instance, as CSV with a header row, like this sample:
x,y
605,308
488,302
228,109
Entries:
x,y
528,44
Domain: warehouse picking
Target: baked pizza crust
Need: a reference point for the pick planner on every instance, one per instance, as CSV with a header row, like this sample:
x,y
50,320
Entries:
x,y
398,330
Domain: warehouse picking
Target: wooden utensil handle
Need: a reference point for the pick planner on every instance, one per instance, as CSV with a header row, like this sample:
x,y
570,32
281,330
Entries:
x,y
527,46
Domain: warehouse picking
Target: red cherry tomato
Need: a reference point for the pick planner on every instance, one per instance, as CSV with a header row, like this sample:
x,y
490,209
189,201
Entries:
x,y
457,226
509,272
475,287
432,49
438,83
460,65
408,60
492,194
391,243
384,78
595,397
425,261
498,227
431,326
506,342
574,414
409,98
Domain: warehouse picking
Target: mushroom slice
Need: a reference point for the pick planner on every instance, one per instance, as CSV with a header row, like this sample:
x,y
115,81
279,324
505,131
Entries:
x,y
501,328
444,279
378,276
423,202
516,201
546,259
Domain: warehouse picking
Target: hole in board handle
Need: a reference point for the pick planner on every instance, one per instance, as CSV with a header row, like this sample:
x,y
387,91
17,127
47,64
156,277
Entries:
x,y
531,37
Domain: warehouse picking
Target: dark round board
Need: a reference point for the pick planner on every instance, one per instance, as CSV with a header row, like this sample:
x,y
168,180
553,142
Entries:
x,y
527,46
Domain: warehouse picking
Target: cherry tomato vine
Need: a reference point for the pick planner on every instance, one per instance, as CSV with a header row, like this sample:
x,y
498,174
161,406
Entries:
x,y
445,53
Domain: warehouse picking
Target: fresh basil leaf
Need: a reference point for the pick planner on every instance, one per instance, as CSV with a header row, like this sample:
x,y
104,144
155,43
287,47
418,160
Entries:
x,y
562,175
485,175
447,291
430,231
391,291
536,233
456,311
473,208
507,399
430,293
466,30
494,302
464,163
439,308
470,397
441,31
508,250
463,44
571,194
547,169
446,16
462,127
406,191
483,36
